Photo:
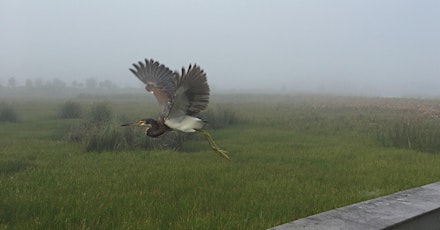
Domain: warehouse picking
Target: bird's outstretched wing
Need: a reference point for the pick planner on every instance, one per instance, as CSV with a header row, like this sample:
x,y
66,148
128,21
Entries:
x,y
192,93
159,80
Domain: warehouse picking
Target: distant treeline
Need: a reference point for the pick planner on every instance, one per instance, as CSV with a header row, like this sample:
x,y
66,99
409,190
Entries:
x,y
89,83
58,87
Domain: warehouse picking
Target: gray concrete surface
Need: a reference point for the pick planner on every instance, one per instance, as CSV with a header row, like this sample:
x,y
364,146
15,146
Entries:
x,y
417,208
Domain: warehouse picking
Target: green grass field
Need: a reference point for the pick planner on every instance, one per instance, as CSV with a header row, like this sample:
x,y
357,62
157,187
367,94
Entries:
x,y
292,156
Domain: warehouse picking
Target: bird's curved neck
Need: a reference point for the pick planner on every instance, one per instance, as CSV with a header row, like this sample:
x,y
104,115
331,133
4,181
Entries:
x,y
157,128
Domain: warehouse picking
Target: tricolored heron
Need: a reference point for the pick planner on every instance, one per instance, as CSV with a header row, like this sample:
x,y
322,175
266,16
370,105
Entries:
x,y
181,96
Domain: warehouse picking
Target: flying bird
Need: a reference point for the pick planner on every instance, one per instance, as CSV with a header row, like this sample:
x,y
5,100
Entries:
x,y
182,97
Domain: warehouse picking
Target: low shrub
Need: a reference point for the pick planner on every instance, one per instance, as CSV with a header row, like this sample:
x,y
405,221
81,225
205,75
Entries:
x,y
100,113
70,110
8,113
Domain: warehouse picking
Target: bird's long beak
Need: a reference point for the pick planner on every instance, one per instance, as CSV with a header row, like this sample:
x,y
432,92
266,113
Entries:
x,y
139,123
131,124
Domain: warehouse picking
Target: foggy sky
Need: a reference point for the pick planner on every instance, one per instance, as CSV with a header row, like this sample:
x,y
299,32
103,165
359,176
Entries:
x,y
374,47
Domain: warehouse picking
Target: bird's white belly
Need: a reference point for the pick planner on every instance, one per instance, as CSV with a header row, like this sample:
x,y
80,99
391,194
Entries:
x,y
185,124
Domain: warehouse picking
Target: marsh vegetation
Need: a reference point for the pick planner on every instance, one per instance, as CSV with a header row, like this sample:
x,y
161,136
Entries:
x,y
292,156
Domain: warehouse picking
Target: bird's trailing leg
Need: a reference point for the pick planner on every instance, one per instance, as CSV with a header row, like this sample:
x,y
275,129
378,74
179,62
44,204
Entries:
x,y
214,147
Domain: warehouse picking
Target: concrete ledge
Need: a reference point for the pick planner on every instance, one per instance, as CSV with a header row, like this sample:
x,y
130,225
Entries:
x,y
417,208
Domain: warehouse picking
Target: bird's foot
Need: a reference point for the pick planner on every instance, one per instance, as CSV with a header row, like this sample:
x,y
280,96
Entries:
x,y
221,152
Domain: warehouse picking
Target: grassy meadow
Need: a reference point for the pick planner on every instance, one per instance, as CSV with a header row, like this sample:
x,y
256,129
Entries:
x,y
291,156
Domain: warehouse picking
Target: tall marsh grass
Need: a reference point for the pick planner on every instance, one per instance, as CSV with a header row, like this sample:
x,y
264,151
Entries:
x,y
113,137
422,134
219,117
100,130
397,123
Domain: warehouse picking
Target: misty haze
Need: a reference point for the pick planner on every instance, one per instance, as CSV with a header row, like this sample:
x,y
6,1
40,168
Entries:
x,y
306,106
373,48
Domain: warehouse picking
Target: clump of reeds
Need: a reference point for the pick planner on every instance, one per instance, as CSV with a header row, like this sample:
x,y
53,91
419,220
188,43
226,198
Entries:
x,y
421,134
218,117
